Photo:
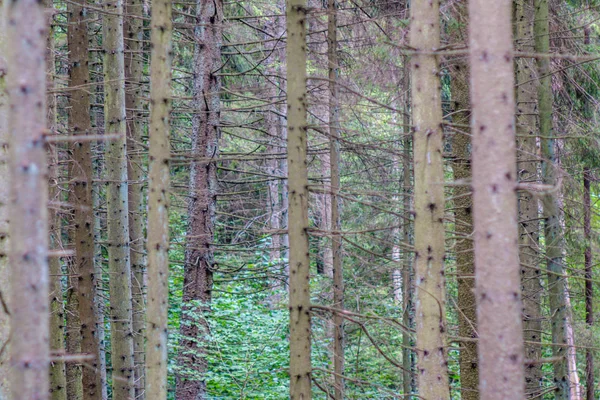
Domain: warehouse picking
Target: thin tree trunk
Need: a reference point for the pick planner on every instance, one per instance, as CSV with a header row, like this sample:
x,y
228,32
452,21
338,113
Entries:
x,y
117,206
408,355
134,62
26,32
336,223
199,258
463,216
526,100
430,314
553,234
589,287
158,201
497,277
4,213
81,174
58,380
299,273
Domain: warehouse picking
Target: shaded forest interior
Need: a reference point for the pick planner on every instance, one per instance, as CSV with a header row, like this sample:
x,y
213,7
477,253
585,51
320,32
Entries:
x,y
328,199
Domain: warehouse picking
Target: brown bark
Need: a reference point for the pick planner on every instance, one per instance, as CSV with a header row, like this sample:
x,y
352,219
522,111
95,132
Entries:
x,y
527,165
430,314
26,33
497,277
199,259
81,174
589,287
116,204
299,263
58,381
134,60
463,216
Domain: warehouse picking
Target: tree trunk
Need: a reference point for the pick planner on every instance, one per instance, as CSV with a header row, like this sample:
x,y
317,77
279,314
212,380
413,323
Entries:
x,y
117,207
527,165
553,234
497,277
463,216
81,174
4,213
29,349
430,314
134,99
58,380
589,287
158,201
299,274
336,223
199,259
408,355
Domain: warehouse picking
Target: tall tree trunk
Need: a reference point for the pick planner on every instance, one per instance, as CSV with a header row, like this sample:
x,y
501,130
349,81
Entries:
x,y
134,62
553,235
117,207
336,223
589,287
4,213
58,380
299,270
430,314
81,174
158,201
526,100
463,216
408,355
497,277
100,305
199,258
29,349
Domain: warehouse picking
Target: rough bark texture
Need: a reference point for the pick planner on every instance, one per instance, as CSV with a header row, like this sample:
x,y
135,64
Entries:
x,y
81,174
4,212
527,165
553,234
117,207
299,306
134,99
589,287
463,216
497,277
408,355
58,380
199,259
336,223
29,349
430,282
158,202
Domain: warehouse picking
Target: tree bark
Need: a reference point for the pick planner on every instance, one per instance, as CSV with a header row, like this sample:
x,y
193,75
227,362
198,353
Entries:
x,y
199,258
29,349
430,314
463,216
299,273
117,206
589,287
497,277
134,104
58,380
81,174
4,214
336,223
553,234
158,201
527,165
